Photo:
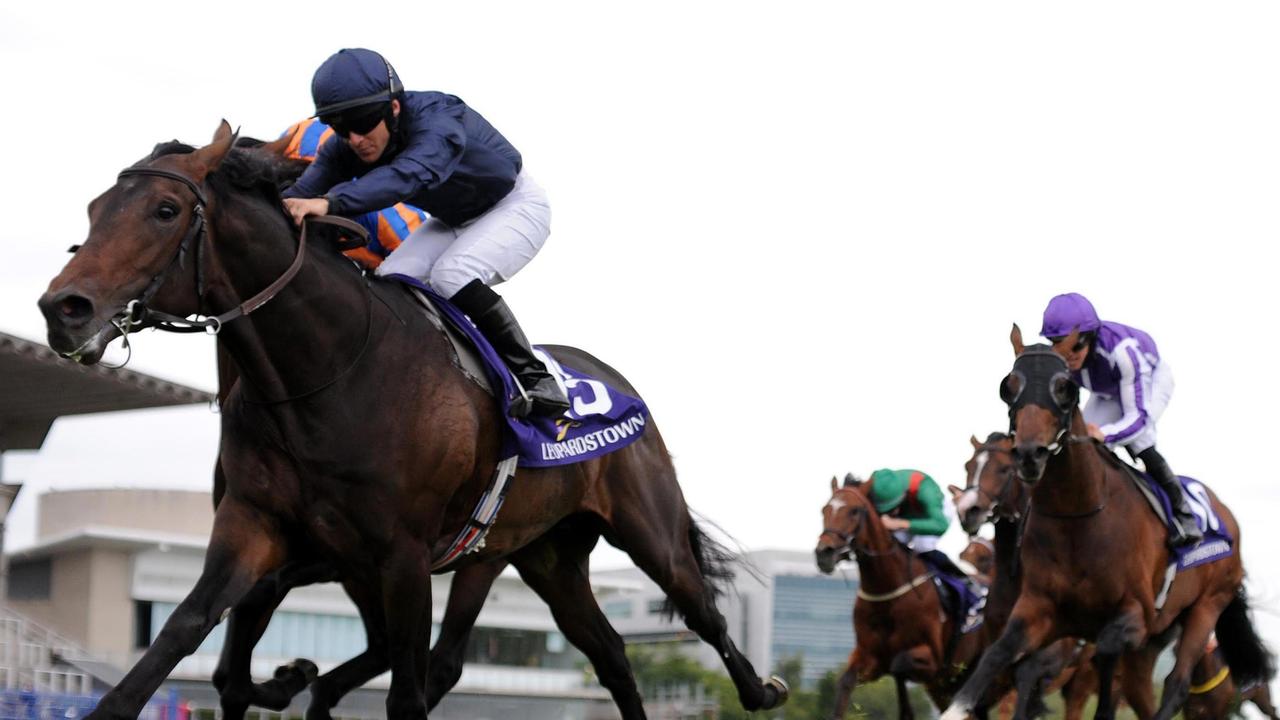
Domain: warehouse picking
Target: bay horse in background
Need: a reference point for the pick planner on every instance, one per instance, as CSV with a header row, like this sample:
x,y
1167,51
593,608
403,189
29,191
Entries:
x,y
899,623
993,493
1214,695
352,440
1094,557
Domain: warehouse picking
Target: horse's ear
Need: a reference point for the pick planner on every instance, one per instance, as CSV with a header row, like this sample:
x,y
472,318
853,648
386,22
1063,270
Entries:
x,y
277,147
973,440
209,157
834,485
1015,337
956,492
851,480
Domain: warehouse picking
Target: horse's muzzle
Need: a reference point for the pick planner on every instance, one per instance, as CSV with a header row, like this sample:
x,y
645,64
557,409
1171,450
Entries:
x,y
826,557
1030,461
73,333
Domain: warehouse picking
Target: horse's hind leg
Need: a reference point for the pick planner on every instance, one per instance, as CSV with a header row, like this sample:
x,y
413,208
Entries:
x,y
665,543
556,569
467,593
1196,628
245,625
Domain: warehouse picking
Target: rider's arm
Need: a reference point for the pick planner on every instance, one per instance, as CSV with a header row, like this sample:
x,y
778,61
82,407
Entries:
x,y
934,521
435,146
1132,366
320,175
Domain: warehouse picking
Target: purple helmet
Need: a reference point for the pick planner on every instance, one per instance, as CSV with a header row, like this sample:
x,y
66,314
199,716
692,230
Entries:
x,y
1067,312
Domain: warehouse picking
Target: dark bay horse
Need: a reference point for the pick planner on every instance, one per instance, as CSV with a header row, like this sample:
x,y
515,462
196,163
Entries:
x,y
993,493
1094,556
898,618
352,441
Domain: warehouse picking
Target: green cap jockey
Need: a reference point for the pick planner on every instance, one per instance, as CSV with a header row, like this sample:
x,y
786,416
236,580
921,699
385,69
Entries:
x,y
912,496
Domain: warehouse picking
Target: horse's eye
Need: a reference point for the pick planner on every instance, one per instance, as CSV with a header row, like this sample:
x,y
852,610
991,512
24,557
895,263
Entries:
x,y
166,212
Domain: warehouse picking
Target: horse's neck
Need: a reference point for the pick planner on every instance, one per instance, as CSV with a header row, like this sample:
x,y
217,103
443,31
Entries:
x,y
306,335
1004,585
887,566
1074,482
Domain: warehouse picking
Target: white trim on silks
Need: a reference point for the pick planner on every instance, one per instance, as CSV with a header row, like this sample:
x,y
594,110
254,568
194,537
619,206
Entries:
x,y
471,537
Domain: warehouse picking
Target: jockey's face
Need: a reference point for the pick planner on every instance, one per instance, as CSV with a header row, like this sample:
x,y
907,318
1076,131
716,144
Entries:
x,y
1075,354
370,145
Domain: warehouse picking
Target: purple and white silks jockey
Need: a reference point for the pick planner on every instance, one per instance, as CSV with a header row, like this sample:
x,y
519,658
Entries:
x,y
1129,386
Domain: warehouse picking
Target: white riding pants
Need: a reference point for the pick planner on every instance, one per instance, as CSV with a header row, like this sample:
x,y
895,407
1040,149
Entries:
x,y
1157,389
491,248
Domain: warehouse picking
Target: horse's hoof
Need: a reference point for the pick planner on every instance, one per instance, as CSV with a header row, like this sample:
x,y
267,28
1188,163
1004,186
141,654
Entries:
x,y
301,669
781,693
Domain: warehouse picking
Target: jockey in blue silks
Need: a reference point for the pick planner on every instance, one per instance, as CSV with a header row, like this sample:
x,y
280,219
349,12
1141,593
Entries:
x,y
429,149
1129,388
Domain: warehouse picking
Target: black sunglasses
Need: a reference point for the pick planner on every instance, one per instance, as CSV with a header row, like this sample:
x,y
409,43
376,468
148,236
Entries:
x,y
1082,342
361,121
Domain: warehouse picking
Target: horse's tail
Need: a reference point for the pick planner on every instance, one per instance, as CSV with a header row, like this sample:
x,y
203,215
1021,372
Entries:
x,y
1248,658
715,564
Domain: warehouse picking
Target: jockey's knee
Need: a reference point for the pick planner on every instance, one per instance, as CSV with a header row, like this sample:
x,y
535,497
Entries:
x,y
448,278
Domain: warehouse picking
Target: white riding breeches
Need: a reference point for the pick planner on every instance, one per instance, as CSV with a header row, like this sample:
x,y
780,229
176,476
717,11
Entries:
x,y
917,543
491,248
1102,410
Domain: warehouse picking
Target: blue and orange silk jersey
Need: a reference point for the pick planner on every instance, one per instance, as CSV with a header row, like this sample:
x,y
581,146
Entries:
x,y
387,227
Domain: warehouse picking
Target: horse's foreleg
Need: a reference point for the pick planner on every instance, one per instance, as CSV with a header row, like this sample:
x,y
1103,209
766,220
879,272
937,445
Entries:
x,y
245,626
406,605
1125,632
904,700
1261,698
848,682
328,689
242,549
1030,627
467,593
557,571
1196,628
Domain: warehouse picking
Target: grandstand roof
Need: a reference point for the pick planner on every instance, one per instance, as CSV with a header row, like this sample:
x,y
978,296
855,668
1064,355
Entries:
x,y
37,386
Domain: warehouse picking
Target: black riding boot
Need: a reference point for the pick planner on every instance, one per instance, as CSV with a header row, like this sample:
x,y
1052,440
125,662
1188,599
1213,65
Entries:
x,y
490,313
1188,533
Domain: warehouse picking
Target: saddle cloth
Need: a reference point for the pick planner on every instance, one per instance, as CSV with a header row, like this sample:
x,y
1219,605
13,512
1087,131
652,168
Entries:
x,y
601,419
962,602
1217,541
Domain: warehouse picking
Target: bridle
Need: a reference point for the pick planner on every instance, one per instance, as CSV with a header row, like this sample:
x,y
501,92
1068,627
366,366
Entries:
x,y
136,315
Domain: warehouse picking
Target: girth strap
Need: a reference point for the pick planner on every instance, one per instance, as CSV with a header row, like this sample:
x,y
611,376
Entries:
x,y
897,593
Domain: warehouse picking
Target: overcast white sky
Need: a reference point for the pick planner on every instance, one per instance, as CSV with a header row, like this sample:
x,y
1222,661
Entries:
x,y
801,229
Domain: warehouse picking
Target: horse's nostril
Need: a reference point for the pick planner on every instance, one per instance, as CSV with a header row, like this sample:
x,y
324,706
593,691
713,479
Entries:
x,y
74,307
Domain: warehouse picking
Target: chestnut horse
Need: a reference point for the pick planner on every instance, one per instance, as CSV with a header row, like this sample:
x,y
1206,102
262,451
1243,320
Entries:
x,y
1214,695
352,440
993,492
898,619
1094,556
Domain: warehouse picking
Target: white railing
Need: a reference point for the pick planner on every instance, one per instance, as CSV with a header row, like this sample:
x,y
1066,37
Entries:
x,y
27,657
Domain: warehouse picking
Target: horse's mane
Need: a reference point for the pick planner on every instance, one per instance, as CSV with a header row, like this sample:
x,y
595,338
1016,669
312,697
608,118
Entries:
x,y
243,168
996,437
